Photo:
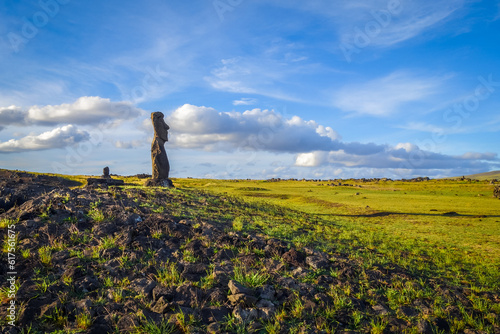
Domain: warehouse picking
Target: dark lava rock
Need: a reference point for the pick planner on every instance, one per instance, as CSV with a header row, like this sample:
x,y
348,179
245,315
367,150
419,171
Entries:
x,y
294,258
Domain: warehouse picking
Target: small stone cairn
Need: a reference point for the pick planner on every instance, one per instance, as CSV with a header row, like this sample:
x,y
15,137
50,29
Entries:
x,y
104,181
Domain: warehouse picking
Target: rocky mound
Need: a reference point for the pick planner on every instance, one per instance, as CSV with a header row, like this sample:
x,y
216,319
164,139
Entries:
x,y
115,260
17,187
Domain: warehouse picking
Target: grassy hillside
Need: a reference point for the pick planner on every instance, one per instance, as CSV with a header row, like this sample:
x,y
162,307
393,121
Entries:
x,y
344,255
485,176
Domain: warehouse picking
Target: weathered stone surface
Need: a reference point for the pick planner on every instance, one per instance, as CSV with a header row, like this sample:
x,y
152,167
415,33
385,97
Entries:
x,y
142,286
268,292
245,315
242,299
294,258
496,192
317,262
95,182
159,159
237,288
105,173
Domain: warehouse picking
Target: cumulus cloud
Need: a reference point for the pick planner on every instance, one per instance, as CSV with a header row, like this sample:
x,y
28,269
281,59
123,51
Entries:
x,y
57,138
384,96
85,110
208,129
11,116
402,156
315,145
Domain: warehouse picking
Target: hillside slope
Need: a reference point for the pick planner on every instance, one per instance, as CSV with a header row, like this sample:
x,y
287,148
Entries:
x,y
485,176
140,260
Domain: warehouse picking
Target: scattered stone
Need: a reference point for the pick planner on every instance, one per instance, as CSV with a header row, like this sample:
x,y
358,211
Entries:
x,y
242,299
317,262
268,292
380,309
143,286
424,327
93,182
237,288
294,258
245,315
214,314
194,271
496,192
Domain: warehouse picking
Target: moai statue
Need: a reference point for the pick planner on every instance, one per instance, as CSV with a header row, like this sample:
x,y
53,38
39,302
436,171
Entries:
x,y
159,159
105,173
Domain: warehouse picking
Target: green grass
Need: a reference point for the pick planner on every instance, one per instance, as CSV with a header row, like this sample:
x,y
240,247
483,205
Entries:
x,y
168,275
389,218
249,278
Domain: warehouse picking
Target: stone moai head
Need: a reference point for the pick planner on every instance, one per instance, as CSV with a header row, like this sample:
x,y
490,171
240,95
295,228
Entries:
x,y
159,125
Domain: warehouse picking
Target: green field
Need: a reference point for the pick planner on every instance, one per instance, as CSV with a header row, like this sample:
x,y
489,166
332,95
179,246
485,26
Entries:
x,y
450,223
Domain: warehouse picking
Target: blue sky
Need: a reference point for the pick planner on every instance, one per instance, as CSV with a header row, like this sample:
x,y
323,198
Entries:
x,y
251,88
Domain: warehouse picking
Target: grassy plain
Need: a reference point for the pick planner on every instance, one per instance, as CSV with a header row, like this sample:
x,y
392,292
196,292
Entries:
x,y
446,226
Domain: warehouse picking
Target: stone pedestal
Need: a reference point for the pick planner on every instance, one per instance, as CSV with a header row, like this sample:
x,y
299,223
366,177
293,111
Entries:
x,y
167,183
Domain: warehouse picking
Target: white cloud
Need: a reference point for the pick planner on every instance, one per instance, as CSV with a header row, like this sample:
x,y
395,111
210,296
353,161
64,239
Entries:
x,y
403,156
478,156
130,144
311,159
407,20
85,110
11,116
206,128
244,102
315,145
260,75
385,96
56,138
